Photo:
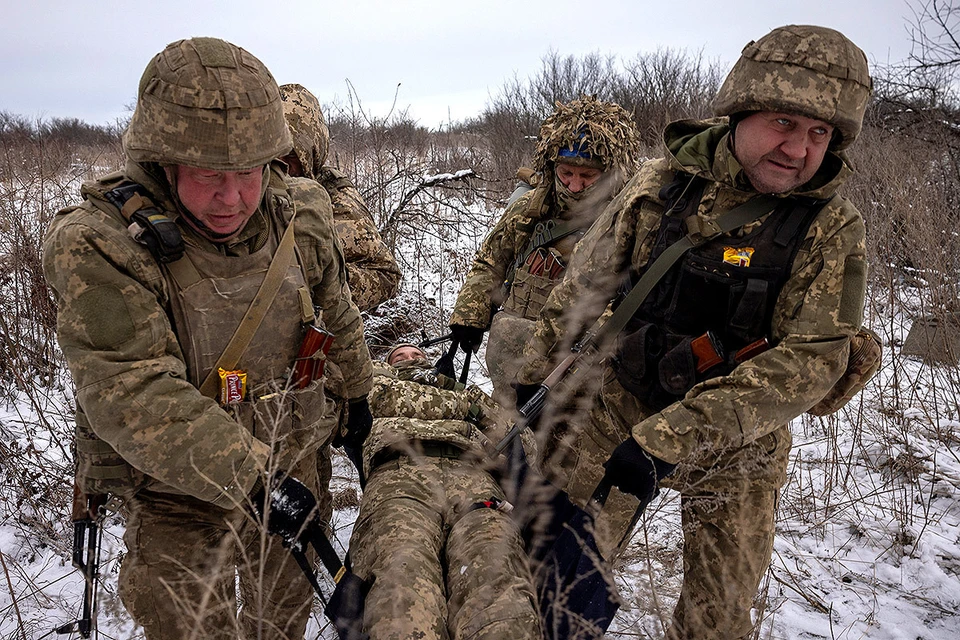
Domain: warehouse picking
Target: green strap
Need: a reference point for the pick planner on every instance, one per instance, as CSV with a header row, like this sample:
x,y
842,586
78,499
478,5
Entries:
x,y
108,472
94,446
753,209
255,312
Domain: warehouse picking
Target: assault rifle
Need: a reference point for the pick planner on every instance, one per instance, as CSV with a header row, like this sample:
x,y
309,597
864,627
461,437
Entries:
x,y
87,516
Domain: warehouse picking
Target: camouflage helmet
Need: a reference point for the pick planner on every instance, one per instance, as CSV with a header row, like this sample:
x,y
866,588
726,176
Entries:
x,y
204,102
311,138
808,70
588,132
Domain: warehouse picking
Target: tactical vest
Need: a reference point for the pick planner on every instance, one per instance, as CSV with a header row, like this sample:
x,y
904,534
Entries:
x,y
717,300
210,293
526,288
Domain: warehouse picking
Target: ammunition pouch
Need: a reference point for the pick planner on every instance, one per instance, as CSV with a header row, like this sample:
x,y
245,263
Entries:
x,y
291,421
659,368
528,294
677,370
636,353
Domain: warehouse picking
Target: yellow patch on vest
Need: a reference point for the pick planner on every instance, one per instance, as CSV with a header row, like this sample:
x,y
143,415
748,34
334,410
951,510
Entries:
x,y
739,257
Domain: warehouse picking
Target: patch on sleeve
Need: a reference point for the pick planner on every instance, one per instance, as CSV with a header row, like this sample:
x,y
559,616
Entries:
x,y
103,313
854,291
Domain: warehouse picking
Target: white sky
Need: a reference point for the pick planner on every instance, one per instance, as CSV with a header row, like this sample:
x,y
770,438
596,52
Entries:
x,y
84,59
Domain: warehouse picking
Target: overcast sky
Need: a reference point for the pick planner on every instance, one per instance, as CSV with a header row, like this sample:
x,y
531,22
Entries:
x,y
84,59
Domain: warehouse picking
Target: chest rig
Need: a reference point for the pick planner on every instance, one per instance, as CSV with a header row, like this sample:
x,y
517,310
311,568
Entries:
x,y
211,298
714,307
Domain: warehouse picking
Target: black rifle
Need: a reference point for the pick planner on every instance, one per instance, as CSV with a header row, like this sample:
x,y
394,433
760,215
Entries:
x,y
345,606
429,342
87,515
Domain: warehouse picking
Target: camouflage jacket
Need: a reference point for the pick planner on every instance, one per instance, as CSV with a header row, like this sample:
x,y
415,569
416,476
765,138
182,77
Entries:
x,y
483,291
819,309
407,407
125,357
371,269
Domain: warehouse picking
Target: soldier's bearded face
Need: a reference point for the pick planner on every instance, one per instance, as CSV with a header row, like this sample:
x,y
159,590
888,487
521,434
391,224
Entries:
x,y
780,151
222,200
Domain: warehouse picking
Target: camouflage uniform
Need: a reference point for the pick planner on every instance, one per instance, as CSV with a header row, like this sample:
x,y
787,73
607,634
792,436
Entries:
x,y
445,566
729,434
139,341
609,134
371,269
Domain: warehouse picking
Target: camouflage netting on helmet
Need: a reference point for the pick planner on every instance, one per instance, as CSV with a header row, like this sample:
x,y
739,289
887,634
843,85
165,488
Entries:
x,y
808,70
207,103
604,129
311,138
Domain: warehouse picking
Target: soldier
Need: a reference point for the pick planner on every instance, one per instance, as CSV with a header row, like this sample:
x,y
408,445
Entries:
x,y
744,333
371,269
585,152
433,533
182,306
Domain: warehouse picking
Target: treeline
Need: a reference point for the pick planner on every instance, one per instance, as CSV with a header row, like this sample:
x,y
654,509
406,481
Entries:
x,y
18,129
907,183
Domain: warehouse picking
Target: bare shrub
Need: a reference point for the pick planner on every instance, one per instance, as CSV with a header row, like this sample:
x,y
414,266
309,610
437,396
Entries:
x,y
40,172
654,87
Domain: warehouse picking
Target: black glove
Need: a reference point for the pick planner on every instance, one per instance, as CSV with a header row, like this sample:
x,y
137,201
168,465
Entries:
x,y
633,470
359,422
345,606
468,337
290,508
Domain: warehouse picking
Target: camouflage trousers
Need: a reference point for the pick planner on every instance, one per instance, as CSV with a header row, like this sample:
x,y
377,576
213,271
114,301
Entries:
x,y
442,568
183,560
727,545
728,504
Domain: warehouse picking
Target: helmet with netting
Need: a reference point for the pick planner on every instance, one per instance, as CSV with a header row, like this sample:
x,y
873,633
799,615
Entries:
x,y
807,70
588,132
205,102
311,138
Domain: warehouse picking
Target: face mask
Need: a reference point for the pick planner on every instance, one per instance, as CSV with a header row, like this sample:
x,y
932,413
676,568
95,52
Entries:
x,y
416,363
567,198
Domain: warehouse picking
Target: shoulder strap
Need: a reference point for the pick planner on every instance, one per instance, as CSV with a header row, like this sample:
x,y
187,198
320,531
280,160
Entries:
x,y
753,209
148,224
255,312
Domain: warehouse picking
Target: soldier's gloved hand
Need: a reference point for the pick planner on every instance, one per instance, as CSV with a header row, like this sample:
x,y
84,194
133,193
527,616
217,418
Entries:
x,y
634,470
468,337
359,422
289,508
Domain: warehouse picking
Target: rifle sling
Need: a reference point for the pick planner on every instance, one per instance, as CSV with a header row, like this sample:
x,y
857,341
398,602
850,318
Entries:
x,y
327,554
255,312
